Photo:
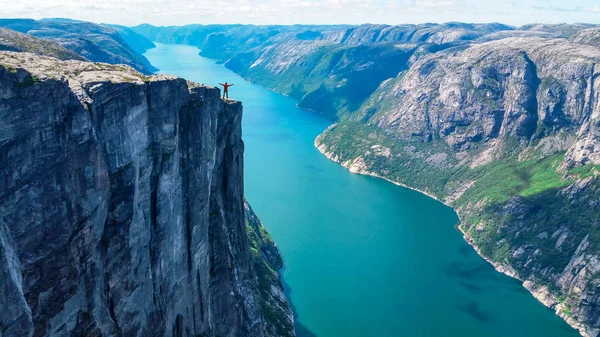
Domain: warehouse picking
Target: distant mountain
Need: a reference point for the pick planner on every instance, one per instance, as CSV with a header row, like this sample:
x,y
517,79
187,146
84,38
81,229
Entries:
x,y
136,41
95,42
562,30
11,40
424,33
330,69
589,36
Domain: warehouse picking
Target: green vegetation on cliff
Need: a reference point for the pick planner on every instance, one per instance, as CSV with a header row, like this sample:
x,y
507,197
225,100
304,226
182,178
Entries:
x,y
267,262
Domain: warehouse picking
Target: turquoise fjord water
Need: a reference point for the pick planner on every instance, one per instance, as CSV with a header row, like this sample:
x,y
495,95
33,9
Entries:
x,y
363,257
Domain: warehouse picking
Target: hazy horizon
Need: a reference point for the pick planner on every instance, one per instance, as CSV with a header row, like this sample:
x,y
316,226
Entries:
x,y
297,24
309,12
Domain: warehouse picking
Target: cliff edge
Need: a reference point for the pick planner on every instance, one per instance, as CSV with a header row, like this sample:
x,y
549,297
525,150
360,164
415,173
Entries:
x,y
121,207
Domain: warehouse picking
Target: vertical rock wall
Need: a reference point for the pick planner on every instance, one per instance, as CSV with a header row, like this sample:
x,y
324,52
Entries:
x,y
121,206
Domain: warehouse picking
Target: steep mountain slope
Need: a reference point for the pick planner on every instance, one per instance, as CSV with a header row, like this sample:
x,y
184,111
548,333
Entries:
x,y
11,40
95,42
122,211
508,133
329,78
520,87
136,41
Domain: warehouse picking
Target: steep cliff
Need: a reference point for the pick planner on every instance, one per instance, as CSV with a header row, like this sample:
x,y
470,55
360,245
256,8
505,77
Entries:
x,y
94,42
524,89
121,208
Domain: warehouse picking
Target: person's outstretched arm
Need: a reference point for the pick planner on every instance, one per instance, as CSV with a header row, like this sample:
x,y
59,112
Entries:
x,y
231,85
222,84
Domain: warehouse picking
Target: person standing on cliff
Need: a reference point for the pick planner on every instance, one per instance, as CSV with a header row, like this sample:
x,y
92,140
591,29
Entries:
x,y
226,89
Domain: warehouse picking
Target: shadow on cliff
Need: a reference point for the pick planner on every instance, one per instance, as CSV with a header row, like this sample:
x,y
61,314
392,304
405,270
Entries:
x,y
301,330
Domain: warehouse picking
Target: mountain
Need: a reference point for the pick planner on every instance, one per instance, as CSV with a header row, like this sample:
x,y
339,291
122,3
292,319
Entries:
x,y
330,69
425,33
137,42
122,209
589,36
508,133
11,40
562,29
501,123
96,43
190,34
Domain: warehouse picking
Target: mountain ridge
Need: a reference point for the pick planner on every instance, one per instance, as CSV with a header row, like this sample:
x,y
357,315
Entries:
x,y
11,40
95,42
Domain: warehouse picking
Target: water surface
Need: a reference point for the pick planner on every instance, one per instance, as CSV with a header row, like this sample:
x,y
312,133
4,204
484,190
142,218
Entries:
x,y
363,257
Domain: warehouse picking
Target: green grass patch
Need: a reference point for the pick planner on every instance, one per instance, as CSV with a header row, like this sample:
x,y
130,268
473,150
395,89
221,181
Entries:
x,y
503,179
584,171
10,69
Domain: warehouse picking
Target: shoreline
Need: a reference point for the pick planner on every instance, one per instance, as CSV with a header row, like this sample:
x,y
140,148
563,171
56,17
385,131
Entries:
x,y
541,293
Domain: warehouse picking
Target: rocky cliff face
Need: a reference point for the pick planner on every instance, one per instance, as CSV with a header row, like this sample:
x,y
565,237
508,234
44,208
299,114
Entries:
x,y
523,89
121,208
589,36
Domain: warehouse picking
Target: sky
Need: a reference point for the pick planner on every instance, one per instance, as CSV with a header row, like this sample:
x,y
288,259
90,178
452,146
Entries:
x,y
180,12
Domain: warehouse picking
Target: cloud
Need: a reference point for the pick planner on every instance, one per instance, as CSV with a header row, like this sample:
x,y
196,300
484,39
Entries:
x,y
557,9
592,9
178,12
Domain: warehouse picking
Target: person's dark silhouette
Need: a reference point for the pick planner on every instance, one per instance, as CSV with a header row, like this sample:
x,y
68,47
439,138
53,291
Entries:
x,y
226,89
